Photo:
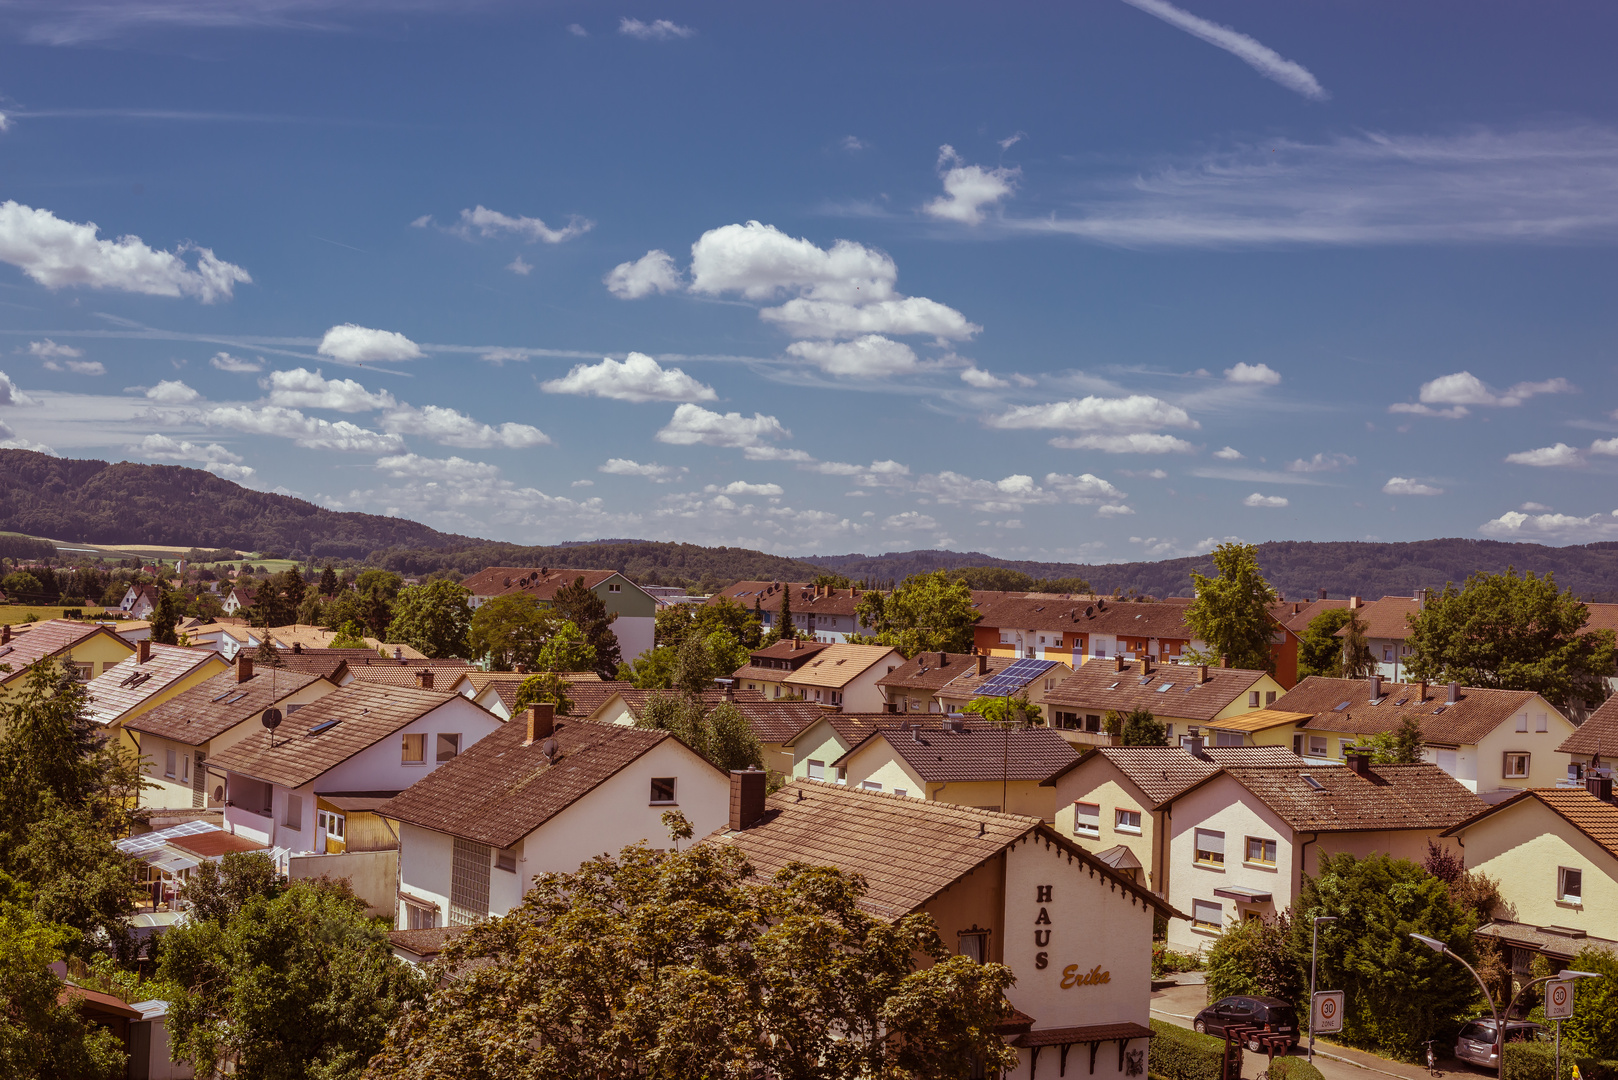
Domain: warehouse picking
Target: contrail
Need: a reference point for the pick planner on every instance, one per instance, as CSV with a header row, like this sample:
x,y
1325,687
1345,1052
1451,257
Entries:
x,y
1260,57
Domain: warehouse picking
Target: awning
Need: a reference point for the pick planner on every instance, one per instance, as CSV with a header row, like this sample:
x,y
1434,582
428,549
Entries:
x,y
1119,858
1243,894
173,864
1093,1035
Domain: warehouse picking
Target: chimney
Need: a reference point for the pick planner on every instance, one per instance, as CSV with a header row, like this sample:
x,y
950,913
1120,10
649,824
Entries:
x,y
522,669
1421,691
1359,760
424,678
1320,593
1224,661
1296,607
1599,786
143,651
398,653
1421,599
1202,674
1119,661
1454,693
297,648
746,797
5,634
983,663
541,722
1145,665
1353,603
1376,687
1194,747
943,659
244,667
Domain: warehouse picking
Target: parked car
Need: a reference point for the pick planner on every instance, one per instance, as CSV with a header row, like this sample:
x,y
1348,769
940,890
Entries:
x,y
1476,1041
1272,1014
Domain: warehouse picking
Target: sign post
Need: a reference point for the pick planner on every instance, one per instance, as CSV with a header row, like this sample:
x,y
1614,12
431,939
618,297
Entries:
x,y
1558,1005
1326,1012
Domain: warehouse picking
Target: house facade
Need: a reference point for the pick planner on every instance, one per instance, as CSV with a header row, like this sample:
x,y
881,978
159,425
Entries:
x,y
85,649
633,610
154,674
1183,697
767,668
986,767
819,612
844,676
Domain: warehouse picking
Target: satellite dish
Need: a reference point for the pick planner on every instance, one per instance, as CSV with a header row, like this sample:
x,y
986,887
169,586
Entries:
x,y
272,718
549,748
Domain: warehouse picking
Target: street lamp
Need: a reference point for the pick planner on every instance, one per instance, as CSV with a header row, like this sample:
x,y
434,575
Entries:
x,y
1314,943
1442,949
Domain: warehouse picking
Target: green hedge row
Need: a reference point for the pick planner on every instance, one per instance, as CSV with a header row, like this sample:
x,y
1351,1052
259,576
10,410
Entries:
x,y
1537,1061
1181,1054
1293,1068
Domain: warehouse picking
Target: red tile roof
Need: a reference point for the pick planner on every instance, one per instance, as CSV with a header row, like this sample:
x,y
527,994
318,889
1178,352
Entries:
x,y
53,637
1598,734
1345,705
974,753
129,683
1099,686
1341,800
1385,619
215,705
929,671
1163,772
1596,819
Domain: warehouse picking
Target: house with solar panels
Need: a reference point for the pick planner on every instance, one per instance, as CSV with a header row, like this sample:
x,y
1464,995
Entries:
x,y
1003,676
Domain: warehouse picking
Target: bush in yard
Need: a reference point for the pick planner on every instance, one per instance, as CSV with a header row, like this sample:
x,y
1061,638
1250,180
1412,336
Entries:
x,y
1255,957
1593,1027
1165,961
1537,1061
1181,1054
1293,1068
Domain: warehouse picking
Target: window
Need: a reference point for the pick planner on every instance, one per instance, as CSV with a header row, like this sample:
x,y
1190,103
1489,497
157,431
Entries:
x,y
900,791
1260,851
1515,766
1210,847
1269,697
415,750
663,789
1042,639
1127,821
870,785
1522,721
1387,654
168,764
1087,819
293,818
1317,746
468,883
421,918
506,859
1541,721
1207,915
83,672
817,769
332,823
972,947
185,768
1101,652
1570,885
1092,722
448,747
1252,699
1005,637
615,587
250,795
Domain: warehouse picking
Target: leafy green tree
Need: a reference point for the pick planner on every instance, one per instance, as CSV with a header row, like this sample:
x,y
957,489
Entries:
x,y
926,612
1402,746
993,578
567,651
1254,957
217,891
1231,612
676,621
784,628
351,635
21,587
433,618
1592,1030
383,582
1320,650
826,579
328,581
720,734
580,606
1399,993
312,612
651,670
545,686
80,879
1137,727
166,619
1511,632
1356,661
511,630
788,977
205,605
1012,709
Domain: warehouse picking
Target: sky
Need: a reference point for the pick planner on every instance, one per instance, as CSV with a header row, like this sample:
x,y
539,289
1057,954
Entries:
x,y
1092,282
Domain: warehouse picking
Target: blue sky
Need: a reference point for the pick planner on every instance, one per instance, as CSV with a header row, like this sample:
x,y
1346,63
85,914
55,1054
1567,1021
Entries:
x,y
1093,282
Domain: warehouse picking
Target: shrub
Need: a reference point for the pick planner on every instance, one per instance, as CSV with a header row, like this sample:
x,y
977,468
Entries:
x,y
1166,961
1537,1061
1293,1068
1181,1054
1255,956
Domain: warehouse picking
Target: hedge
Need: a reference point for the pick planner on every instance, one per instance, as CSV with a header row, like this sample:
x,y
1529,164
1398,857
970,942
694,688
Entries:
x,y
1293,1068
1181,1054
1537,1061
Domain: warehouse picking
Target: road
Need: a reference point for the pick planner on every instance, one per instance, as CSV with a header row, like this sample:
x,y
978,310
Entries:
x,y
1180,1004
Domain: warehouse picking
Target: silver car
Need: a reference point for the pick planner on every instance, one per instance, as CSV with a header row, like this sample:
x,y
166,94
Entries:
x,y
1476,1041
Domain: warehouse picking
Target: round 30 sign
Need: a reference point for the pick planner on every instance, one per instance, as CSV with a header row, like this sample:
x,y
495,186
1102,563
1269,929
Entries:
x,y
1559,1000
1327,1012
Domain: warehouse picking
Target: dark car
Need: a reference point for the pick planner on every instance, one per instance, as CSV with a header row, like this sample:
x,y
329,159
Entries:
x,y
1271,1014
1476,1041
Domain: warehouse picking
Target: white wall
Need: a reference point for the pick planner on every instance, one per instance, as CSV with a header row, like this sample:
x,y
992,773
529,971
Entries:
x,y
635,635
863,695
1226,806
379,767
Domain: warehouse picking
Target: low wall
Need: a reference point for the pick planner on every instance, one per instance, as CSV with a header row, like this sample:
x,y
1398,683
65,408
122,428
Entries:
x,y
374,875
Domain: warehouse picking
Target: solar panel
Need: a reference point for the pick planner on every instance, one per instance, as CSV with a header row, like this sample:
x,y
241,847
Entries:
x,y
1014,678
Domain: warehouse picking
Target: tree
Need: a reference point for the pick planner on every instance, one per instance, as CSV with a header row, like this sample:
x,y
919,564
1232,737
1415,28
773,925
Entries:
x,y
328,581
1138,727
1255,957
651,670
511,630
677,621
1231,612
1356,661
351,635
21,587
784,628
1401,746
721,734
1399,993
1320,650
788,977
80,879
217,891
1478,896
927,612
299,985
433,618
312,612
166,619
1592,1030
566,651
1003,710
544,686
1510,632
580,606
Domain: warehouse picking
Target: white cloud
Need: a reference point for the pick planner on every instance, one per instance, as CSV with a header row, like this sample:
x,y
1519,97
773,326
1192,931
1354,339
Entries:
x,y
1137,412
450,428
1017,491
877,474
1547,456
1135,443
657,30
1399,485
9,441
653,272
692,424
1256,55
1604,447
49,350
969,188
1253,374
301,388
852,143
1229,453
5,122
1115,510
742,487
657,474
172,392
910,520
236,474
226,362
307,431
1463,389
872,356
774,453
583,483
1566,528
450,469
164,448
1012,140
760,262
10,395
59,253
517,266
833,318
499,356
983,380
1322,463
486,223
422,222
637,377
77,367
1256,499
363,345
1534,507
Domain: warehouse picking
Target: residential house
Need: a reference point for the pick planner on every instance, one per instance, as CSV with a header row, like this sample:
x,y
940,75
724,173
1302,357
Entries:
x,y
1036,626
1592,748
86,649
773,722
452,679
239,599
827,738
540,796
1554,852
845,676
914,686
635,611
1238,843
223,637
363,741
179,738
497,690
1183,697
1489,740
1003,676
1001,888
819,612
767,669
1113,799
987,767
139,601
145,680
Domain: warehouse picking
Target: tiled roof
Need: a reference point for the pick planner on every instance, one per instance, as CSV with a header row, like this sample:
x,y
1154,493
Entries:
x,y
1163,772
215,705
291,756
451,679
768,595
1385,618
908,850
929,670
1297,615
838,665
797,649
778,721
498,790
1601,617
1261,720
48,638
1467,720
1099,686
1018,611
966,683
1596,819
539,582
424,943
852,727
1598,734
975,753
635,699
1391,797
127,684
1543,938
1140,621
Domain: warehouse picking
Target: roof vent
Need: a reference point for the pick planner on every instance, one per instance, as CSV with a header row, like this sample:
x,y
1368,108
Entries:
x,y
1454,693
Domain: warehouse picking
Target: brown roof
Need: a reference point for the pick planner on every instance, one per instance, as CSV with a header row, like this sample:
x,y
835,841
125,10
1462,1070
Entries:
x,y
1022,612
423,943
929,670
975,753
777,721
215,705
498,791
853,727
1099,686
1341,800
635,698
1083,1035
1163,772
291,756
1385,618
966,683
1297,615
768,594
1597,735
1345,705
1602,617
539,582
443,679
907,850
127,684
1596,819
838,665
48,638
794,654
211,845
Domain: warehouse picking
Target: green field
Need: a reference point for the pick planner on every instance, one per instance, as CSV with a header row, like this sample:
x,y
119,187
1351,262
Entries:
x,y
16,613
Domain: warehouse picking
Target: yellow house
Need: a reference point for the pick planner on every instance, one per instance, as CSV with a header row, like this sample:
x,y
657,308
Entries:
x,y
1554,852
1000,676
147,679
1489,740
989,768
1185,698
87,648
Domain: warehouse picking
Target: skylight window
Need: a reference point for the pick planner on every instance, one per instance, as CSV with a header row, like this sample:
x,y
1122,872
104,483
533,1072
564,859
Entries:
x,y
1165,688
1400,702
1312,782
1438,710
324,725
1114,686
1341,707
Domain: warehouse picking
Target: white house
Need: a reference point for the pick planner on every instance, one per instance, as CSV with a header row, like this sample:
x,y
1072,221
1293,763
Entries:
x,y
139,601
239,597
539,796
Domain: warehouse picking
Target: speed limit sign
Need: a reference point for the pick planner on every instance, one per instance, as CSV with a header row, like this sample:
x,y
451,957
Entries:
x,y
1326,1012
1559,1000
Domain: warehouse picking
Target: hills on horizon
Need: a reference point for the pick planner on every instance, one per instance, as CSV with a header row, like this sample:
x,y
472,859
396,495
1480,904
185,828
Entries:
x,y
88,501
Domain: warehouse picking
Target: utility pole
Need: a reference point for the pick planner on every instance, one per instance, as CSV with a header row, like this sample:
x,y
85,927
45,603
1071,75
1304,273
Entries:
x,y
1314,945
